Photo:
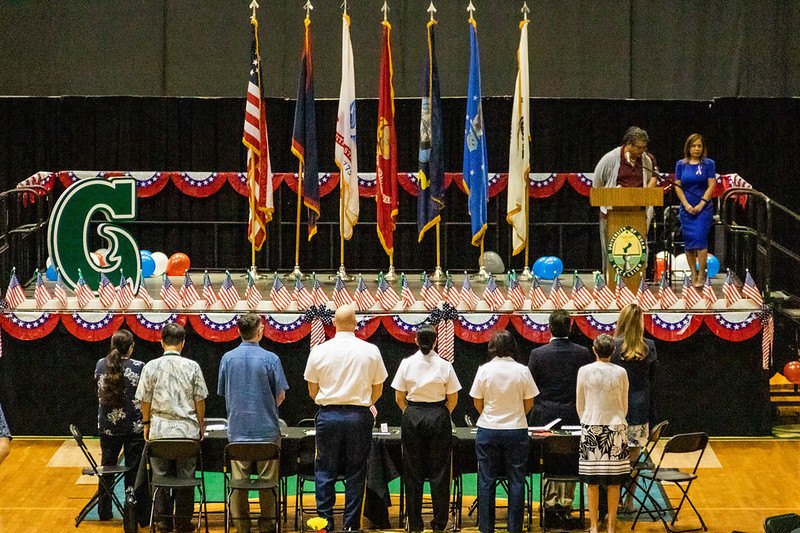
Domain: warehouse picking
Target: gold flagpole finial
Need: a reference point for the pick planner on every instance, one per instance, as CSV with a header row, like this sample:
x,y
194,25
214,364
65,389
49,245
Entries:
x,y
253,6
431,9
525,10
308,7
385,10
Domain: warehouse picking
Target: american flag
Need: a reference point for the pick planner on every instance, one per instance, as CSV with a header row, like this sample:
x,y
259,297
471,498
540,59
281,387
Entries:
x,y
515,294
14,295
767,338
302,296
320,298
228,294
430,294
42,295
252,294
603,295
279,294
169,295
59,292
690,295
445,333
188,292
341,296
750,290
665,293
317,332
83,292
106,291
581,296
386,294
406,293
144,295
647,300
208,291
536,294
451,295
124,292
492,294
468,296
708,292
730,290
624,295
557,294
364,298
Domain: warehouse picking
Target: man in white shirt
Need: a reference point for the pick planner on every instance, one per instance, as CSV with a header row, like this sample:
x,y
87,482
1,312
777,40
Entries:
x,y
345,377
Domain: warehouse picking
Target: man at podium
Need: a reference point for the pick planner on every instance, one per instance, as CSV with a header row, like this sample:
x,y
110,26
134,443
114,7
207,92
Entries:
x,y
628,165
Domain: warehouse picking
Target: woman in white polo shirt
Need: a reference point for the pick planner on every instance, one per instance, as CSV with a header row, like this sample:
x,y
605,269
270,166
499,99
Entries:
x,y
503,393
426,390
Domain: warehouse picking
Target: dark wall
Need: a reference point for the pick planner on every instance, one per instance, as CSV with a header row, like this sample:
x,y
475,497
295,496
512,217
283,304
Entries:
x,y
688,49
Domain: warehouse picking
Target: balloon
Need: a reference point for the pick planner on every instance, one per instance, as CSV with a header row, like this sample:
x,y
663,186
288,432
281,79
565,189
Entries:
x,y
712,265
492,262
557,265
681,264
538,267
551,267
145,252
792,371
148,265
177,265
161,263
51,273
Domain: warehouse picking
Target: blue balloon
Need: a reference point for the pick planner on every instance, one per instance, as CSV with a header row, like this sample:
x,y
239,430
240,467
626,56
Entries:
x,y
148,265
538,267
557,266
145,252
712,265
51,273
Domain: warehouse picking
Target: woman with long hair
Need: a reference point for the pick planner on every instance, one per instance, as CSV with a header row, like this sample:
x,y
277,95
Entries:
x,y
637,356
119,418
503,393
426,390
695,179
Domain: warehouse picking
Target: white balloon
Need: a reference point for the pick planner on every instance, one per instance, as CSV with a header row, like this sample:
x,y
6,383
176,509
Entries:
x,y
161,263
48,263
680,264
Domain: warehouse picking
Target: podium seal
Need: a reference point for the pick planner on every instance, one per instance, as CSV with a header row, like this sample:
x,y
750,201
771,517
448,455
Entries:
x,y
627,251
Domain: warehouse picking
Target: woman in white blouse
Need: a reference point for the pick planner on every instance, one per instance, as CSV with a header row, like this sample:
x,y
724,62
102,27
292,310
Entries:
x,y
602,403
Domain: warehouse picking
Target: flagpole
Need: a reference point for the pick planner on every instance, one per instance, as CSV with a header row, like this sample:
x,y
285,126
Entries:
x,y
296,272
342,273
438,274
390,274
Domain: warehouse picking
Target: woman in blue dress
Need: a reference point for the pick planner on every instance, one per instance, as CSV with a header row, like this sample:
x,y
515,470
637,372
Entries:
x,y
695,179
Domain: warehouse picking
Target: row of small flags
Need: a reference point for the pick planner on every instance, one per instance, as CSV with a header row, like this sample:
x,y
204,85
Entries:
x,y
386,296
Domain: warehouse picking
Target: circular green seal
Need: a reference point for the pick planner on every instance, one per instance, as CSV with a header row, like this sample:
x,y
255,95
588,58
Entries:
x,y
627,251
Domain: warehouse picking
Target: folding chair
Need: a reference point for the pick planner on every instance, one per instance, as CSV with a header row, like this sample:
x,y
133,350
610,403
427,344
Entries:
x,y
502,481
253,452
679,444
644,462
306,452
176,449
115,472
785,523
306,423
559,464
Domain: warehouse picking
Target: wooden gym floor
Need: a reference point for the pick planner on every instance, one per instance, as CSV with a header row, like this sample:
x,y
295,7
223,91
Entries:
x,y
747,481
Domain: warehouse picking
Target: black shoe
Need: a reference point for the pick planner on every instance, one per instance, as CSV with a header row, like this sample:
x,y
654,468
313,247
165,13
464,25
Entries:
x,y
553,519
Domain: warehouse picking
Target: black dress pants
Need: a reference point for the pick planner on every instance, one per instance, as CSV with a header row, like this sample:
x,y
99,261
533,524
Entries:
x,y
110,446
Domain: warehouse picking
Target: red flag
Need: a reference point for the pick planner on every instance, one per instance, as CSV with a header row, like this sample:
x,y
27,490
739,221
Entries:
x,y
386,152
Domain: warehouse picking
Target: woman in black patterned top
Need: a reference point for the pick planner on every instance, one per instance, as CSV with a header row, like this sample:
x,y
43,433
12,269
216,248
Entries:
x,y
119,416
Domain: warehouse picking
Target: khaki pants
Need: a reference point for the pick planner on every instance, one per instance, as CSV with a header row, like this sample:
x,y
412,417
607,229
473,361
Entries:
x,y
240,506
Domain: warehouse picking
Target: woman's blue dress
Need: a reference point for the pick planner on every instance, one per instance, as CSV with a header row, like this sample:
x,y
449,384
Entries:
x,y
694,182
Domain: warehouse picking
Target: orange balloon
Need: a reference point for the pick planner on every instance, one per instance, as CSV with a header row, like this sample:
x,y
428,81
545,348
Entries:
x,y
177,265
792,371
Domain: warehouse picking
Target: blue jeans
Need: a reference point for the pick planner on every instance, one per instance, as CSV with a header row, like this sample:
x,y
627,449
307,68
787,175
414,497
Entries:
x,y
344,437
501,452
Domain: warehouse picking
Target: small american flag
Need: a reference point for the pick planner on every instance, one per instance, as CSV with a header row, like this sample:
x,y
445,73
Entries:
x,y
690,295
665,293
188,293
515,294
386,294
317,332
451,295
430,294
581,296
557,294
83,292
107,292
406,293
445,333
320,298
373,410
492,294
536,294
708,292
767,338
730,290
279,294
14,295
302,296
228,294
42,295
144,295
59,292
364,298
750,290
603,295
468,296
208,291
168,293
341,296
624,295
124,292
647,300
252,294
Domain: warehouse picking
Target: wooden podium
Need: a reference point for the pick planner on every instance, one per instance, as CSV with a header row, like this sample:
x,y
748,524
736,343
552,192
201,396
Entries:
x,y
628,208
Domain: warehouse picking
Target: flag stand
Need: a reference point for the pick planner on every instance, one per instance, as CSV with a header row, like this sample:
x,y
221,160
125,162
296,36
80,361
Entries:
x,y
391,275
482,273
296,273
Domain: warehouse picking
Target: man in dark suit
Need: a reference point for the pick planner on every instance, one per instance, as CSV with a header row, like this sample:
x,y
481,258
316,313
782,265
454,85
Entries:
x,y
554,367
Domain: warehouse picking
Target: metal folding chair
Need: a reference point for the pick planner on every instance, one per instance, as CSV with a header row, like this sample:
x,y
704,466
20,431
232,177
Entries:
x,y
644,462
559,463
252,452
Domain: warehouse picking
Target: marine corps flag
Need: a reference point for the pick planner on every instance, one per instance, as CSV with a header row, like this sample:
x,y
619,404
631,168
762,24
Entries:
x,y
430,198
519,162
476,173
259,171
304,135
386,157
345,150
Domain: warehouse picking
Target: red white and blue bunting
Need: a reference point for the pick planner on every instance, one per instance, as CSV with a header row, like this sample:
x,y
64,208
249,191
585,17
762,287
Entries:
x,y
672,326
93,326
217,327
734,326
29,326
595,324
285,328
479,327
148,326
403,327
533,326
366,326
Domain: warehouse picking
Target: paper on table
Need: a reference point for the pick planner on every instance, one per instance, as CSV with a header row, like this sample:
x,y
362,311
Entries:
x,y
216,427
545,427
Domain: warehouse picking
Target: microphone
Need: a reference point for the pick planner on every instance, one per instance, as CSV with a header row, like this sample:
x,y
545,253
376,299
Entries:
x,y
628,158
